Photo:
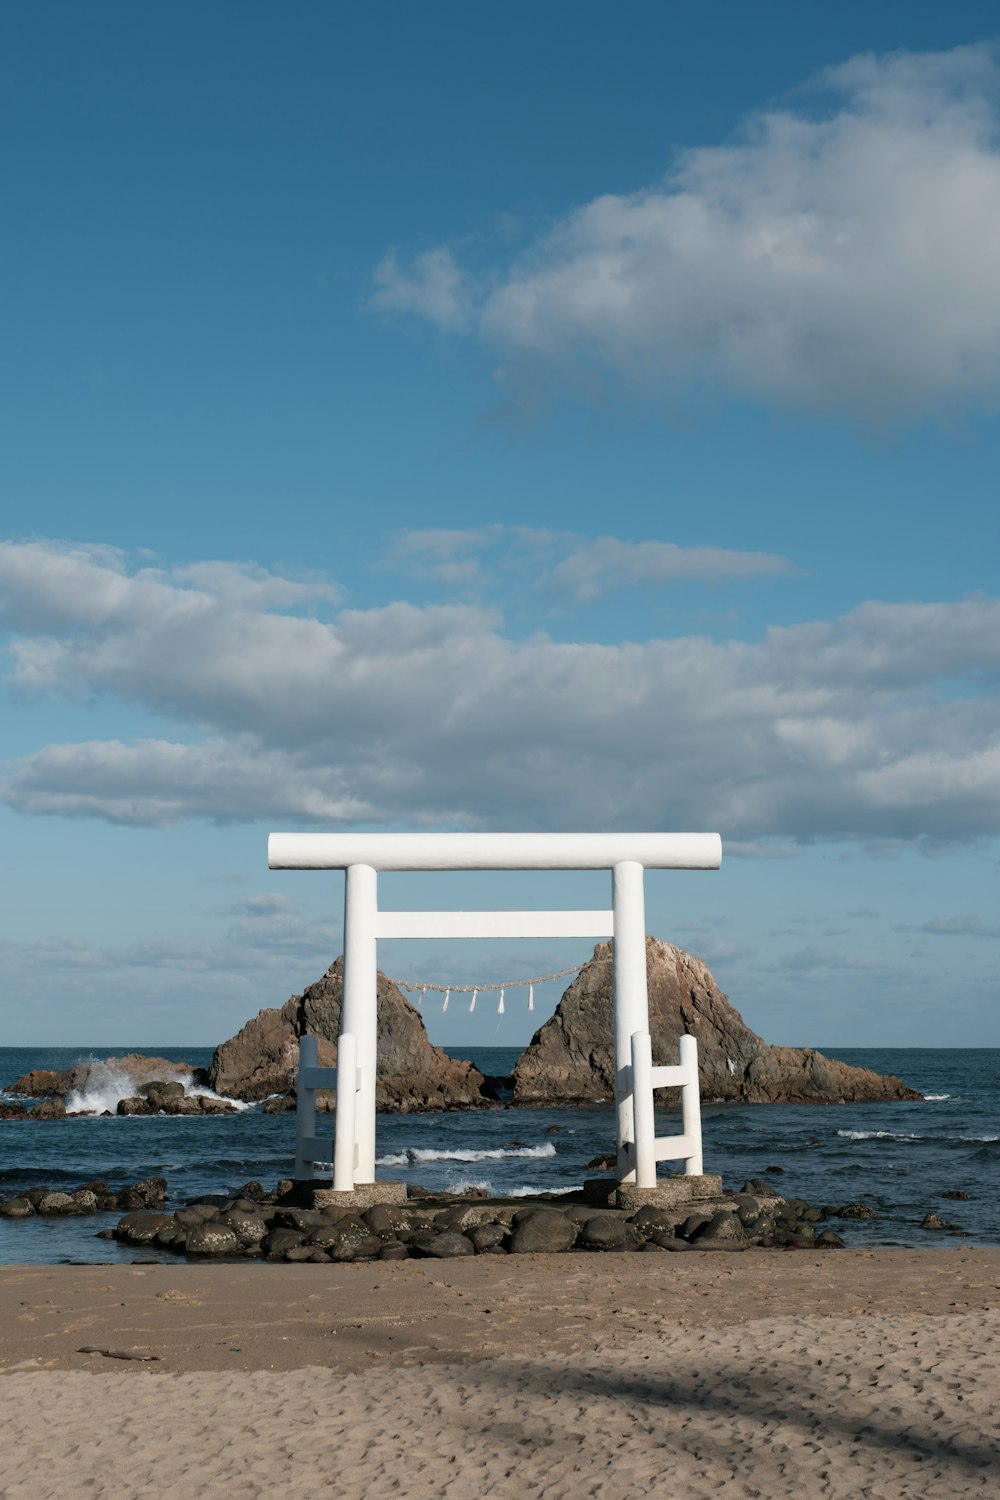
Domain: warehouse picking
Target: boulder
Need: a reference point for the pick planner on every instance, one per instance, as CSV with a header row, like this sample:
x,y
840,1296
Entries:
x,y
43,1083
152,1102
608,1232
249,1229
50,1109
570,1058
171,1089
145,1194
57,1203
212,1239
542,1231
16,1208
142,1226
448,1245
722,1226
412,1074
486,1236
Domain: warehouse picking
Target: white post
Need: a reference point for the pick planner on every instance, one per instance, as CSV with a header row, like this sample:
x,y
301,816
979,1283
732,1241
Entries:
x,y
305,1111
345,1144
691,1105
631,1007
642,1108
358,1014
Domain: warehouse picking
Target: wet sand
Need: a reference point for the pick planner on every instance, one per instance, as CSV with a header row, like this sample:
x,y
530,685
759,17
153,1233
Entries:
x,y
846,1373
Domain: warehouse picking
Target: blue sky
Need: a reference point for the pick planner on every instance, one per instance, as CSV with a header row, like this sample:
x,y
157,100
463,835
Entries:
x,y
506,417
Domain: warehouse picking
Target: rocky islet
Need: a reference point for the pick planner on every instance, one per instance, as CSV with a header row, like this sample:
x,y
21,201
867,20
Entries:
x,y
569,1059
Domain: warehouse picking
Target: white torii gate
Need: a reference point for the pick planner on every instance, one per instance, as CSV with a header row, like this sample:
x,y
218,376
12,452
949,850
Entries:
x,y
626,855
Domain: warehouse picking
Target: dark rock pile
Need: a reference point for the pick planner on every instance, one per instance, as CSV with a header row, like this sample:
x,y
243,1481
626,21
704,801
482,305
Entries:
x,y
45,1109
244,1226
91,1198
157,1097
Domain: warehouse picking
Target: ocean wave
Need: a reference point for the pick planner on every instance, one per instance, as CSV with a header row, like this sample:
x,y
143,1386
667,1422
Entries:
x,y
414,1155
470,1185
530,1190
935,1098
107,1086
894,1135
877,1135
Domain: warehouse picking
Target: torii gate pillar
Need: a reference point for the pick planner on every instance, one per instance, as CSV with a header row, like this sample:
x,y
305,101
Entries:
x,y
359,1007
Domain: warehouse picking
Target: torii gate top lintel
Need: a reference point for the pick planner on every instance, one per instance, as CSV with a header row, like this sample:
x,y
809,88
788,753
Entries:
x,y
493,851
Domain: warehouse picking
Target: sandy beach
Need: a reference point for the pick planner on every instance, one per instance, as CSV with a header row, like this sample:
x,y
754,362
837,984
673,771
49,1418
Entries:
x,y
853,1373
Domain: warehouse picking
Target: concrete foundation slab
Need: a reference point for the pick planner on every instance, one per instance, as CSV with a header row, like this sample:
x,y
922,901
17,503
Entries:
x,y
363,1195
669,1192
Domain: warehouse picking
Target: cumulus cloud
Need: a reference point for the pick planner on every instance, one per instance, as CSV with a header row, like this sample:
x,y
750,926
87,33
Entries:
x,y
839,255
433,716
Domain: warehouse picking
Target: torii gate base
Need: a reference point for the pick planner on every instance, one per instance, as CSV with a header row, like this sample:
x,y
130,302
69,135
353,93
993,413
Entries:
x,y
626,855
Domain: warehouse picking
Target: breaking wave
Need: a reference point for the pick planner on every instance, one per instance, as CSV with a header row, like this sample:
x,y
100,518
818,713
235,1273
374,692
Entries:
x,y
414,1155
105,1086
876,1135
893,1135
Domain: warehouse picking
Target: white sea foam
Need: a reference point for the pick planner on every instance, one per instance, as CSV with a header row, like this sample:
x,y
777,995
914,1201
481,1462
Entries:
x,y
202,1091
531,1190
877,1135
893,1135
471,1185
935,1098
106,1085
414,1155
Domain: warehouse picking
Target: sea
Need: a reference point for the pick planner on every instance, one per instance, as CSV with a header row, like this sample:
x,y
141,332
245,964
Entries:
x,y
900,1158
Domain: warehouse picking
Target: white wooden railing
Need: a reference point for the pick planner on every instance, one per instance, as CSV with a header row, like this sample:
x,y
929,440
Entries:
x,y
311,1150
647,1148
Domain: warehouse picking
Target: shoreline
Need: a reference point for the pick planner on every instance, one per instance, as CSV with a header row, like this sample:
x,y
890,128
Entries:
x,y
356,1315
866,1373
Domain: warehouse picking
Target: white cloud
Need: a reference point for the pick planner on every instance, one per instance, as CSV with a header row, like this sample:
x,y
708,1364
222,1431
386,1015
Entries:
x,y
195,991
877,726
158,783
52,585
839,258
962,926
435,288
608,563
566,562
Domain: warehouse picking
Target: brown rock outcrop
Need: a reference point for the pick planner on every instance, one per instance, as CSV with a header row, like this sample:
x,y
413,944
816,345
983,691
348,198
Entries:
x,y
412,1074
95,1073
571,1056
